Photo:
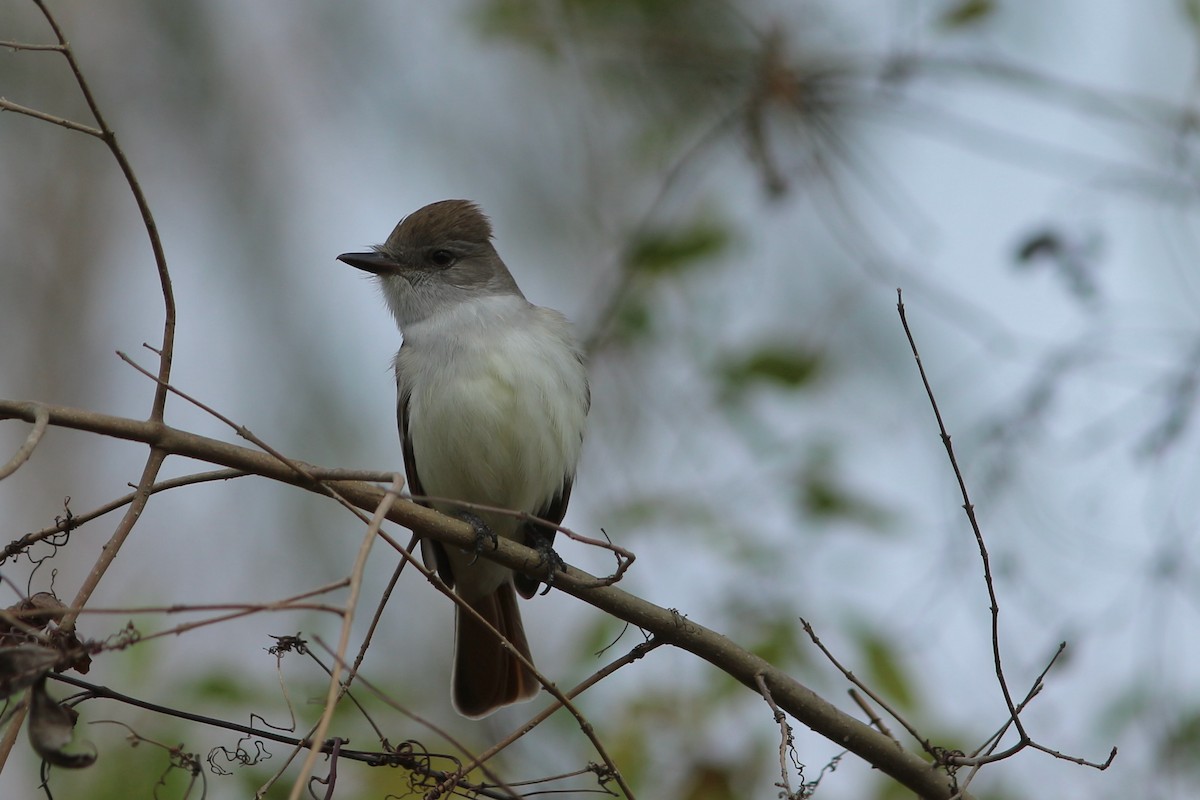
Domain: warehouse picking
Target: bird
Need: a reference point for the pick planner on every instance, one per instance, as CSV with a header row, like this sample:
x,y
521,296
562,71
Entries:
x,y
492,400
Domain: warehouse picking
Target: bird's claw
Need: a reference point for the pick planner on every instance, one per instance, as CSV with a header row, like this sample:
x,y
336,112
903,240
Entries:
x,y
483,535
548,558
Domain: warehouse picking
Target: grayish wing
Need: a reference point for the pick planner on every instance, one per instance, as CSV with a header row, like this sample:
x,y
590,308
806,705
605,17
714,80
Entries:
x,y
431,550
543,536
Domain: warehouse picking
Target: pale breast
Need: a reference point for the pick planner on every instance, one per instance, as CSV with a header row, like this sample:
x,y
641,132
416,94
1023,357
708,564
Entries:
x,y
496,418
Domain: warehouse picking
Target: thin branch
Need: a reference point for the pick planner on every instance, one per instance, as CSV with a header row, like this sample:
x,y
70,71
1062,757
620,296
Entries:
x,y
71,125
969,508
1102,765
167,349
379,607
992,742
391,757
333,693
872,717
248,435
850,676
103,692
1014,710
40,421
123,529
240,609
786,740
287,604
638,652
450,779
30,46
74,521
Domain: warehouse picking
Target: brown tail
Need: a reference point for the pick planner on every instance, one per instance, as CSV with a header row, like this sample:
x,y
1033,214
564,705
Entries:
x,y
486,676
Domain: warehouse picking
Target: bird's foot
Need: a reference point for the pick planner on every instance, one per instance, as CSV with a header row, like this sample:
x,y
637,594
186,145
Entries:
x,y
483,534
547,558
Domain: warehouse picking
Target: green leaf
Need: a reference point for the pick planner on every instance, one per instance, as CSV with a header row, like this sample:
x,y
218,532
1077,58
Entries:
x,y
965,13
779,642
1182,741
823,495
712,781
1191,9
787,366
223,687
666,252
632,320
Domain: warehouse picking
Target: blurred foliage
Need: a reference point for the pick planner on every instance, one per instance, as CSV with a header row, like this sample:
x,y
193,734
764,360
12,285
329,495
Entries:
x,y
778,641
632,321
668,253
785,366
966,12
673,48
1191,11
701,69
824,496
711,782
883,668
1181,742
671,62
1074,257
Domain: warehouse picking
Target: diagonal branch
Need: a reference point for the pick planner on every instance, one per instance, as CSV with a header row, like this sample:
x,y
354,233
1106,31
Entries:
x,y
668,626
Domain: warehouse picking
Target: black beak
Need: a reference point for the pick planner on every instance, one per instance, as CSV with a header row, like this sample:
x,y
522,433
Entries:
x,y
375,263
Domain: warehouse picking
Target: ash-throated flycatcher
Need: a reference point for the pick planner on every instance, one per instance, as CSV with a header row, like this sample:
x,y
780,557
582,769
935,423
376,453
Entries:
x,y
492,398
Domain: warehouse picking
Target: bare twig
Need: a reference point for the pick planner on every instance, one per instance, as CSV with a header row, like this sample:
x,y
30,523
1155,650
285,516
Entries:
x,y
103,692
40,422
633,655
786,740
379,607
874,718
71,125
334,692
850,676
992,742
1014,709
74,521
449,780
389,757
969,508
11,45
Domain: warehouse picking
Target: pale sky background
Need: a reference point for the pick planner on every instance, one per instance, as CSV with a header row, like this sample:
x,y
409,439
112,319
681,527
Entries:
x,y
320,126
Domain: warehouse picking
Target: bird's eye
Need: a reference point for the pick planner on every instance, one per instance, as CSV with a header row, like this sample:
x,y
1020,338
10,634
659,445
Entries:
x,y
441,258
